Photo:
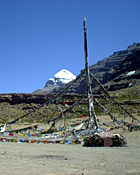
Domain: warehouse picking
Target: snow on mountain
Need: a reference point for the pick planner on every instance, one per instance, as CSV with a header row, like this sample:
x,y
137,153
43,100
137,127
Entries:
x,y
131,73
60,78
65,74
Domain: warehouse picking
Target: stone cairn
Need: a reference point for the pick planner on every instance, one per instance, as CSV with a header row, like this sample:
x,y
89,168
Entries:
x,y
97,140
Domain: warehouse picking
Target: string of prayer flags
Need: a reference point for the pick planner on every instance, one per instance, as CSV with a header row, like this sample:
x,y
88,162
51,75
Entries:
x,y
105,91
49,101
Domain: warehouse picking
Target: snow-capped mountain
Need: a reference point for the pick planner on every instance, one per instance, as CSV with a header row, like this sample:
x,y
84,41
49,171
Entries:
x,y
118,71
62,77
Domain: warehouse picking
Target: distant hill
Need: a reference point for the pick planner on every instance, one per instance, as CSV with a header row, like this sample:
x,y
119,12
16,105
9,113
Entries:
x,y
111,71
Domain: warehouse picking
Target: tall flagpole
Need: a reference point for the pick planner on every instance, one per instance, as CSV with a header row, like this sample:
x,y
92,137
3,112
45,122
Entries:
x,y
89,90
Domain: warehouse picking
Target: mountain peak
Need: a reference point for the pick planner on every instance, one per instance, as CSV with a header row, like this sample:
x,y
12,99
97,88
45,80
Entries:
x,y
60,78
65,74
134,46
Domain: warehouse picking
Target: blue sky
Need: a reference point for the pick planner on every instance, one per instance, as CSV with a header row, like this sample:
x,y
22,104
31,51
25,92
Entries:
x,y
38,38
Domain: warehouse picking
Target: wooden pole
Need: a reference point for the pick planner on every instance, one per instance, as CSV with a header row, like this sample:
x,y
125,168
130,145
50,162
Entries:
x,y
89,90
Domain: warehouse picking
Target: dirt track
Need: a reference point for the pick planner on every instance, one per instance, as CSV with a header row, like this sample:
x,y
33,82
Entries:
x,y
46,159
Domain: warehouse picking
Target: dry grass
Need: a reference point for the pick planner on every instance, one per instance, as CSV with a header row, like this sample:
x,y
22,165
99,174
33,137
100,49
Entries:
x,y
10,112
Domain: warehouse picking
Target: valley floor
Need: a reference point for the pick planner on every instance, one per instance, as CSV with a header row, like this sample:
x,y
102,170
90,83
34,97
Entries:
x,y
53,159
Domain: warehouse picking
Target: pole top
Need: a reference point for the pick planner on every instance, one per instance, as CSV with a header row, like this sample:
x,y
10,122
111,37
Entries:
x,y
84,24
84,21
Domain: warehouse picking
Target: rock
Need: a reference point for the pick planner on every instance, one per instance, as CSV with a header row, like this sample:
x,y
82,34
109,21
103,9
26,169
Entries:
x,y
17,98
5,98
96,140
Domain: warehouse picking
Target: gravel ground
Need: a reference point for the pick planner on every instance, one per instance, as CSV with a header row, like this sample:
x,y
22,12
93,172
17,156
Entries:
x,y
52,159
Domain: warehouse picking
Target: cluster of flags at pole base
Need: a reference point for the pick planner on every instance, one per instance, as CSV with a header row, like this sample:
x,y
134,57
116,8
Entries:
x,y
24,140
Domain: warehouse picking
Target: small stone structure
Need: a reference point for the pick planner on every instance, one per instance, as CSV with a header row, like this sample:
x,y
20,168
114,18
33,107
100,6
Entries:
x,y
108,140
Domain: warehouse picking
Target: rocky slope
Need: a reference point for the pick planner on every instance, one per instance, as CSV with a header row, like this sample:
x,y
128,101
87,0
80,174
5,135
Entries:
x,y
126,74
